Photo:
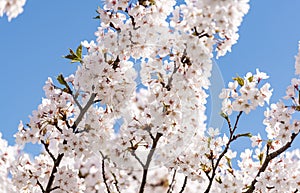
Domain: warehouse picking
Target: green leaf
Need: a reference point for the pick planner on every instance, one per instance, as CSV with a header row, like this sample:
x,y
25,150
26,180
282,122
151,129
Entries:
x,y
75,57
260,157
224,115
97,17
250,79
71,57
72,52
60,78
240,80
79,51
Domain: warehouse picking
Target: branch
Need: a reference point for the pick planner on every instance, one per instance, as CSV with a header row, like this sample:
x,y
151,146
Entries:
x,y
77,102
137,158
47,150
83,111
268,159
103,173
148,161
231,139
168,86
40,185
116,182
52,176
172,182
184,185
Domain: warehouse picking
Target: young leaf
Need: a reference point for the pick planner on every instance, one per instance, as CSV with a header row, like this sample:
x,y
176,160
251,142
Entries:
x,y
79,51
250,78
240,80
60,78
75,57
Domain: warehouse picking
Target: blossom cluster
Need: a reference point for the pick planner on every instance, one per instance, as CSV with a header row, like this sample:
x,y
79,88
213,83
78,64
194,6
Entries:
x,y
12,8
244,94
132,117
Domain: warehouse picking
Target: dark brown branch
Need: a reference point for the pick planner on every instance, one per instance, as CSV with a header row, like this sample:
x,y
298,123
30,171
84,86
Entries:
x,y
148,161
116,182
48,151
103,172
169,84
40,185
57,127
268,159
201,34
231,139
54,170
170,189
184,184
54,188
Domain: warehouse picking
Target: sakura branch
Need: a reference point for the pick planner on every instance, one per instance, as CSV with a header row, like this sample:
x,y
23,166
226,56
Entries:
x,y
148,161
141,87
171,186
83,111
232,138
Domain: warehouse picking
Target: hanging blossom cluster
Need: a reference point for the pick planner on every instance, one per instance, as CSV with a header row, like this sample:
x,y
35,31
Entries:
x,y
12,8
244,94
132,117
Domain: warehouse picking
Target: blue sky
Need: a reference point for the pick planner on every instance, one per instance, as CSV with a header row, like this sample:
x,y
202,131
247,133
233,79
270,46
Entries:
x,y
32,45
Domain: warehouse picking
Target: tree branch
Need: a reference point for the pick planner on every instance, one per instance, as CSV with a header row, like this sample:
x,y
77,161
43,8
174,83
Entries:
x,y
231,139
268,159
184,184
40,185
172,182
116,182
137,158
54,170
169,84
148,161
83,111
48,151
103,173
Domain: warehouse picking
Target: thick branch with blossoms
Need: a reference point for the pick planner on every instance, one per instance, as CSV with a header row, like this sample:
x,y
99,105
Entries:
x,y
139,98
269,158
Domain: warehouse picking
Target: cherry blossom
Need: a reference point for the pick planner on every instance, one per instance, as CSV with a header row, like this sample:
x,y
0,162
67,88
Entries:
x,y
132,118
12,8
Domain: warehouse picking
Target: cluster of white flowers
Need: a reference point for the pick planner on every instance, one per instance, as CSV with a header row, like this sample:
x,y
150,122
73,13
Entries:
x,y
12,8
248,96
132,117
8,155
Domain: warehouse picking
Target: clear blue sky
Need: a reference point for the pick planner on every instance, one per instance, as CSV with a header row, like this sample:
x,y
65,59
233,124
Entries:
x,y
31,47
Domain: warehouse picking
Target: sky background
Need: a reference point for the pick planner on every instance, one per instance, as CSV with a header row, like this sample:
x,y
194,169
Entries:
x,y
32,45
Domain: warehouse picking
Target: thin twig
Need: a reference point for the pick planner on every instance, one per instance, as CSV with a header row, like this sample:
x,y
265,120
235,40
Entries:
x,y
116,182
169,84
103,172
48,151
137,158
231,139
170,189
40,185
184,184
